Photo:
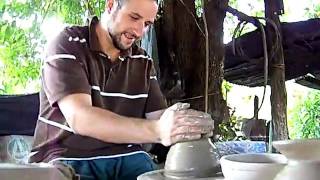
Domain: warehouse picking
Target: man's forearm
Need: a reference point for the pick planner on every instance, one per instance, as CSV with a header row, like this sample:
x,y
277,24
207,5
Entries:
x,y
110,127
176,123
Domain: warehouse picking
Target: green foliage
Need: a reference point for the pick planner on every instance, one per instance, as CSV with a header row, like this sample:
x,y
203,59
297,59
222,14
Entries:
x,y
226,87
229,131
198,4
19,62
75,11
305,119
314,11
22,42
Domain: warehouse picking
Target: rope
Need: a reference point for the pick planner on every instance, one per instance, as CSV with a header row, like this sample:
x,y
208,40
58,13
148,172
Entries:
x,y
279,66
206,91
195,97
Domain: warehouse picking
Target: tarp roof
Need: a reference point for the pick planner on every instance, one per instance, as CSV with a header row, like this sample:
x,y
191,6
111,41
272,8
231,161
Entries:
x,y
301,45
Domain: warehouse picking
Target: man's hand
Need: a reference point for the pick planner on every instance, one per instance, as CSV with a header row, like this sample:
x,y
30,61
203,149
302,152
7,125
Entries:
x,y
179,123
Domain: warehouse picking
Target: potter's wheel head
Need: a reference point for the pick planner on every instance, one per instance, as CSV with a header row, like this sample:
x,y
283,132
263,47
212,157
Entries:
x,y
299,149
197,159
159,175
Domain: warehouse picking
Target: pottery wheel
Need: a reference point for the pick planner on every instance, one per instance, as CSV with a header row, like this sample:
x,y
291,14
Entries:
x,y
159,175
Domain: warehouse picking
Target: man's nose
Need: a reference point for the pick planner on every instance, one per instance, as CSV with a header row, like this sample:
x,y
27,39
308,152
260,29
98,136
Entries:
x,y
139,29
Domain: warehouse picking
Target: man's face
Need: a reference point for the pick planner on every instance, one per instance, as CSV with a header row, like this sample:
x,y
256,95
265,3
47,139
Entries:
x,y
129,22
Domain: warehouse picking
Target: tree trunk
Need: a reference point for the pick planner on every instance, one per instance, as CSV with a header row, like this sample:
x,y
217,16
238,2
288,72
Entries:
x,y
215,13
277,77
182,55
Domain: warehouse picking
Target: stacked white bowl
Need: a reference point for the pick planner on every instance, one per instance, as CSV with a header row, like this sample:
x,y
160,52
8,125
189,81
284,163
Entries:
x,y
262,166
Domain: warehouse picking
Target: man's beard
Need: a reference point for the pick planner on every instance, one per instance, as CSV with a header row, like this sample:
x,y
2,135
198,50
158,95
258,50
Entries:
x,y
116,40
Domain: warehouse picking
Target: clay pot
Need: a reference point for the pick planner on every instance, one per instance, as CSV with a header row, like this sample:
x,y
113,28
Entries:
x,y
303,159
194,159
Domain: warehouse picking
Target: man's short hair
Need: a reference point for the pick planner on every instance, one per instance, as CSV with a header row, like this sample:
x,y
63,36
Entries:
x,y
121,2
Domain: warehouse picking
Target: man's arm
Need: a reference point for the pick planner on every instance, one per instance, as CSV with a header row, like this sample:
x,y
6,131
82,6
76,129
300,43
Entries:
x,y
177,123
105,125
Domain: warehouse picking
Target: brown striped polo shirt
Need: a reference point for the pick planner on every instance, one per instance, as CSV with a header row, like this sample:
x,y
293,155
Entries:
x,y
74,64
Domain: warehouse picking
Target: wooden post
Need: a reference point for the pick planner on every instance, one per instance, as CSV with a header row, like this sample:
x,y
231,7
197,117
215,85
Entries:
x,y
256,108
277,76
182,45
215,13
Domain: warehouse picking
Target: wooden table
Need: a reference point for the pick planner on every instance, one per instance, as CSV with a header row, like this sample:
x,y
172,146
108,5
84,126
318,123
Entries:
x,y
40,171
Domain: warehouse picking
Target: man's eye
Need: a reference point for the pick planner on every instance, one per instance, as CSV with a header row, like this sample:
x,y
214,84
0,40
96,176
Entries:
x,y
147,24
134,18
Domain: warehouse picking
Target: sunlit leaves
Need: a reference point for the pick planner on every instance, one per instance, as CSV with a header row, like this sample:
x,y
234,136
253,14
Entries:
x,y
18,58
21,41
314,11
305,119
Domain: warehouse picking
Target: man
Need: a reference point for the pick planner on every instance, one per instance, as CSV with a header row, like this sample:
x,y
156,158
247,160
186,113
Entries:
x,y
100,99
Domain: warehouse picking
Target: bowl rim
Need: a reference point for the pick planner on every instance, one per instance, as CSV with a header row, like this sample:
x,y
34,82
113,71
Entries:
x,y
225,159
295,141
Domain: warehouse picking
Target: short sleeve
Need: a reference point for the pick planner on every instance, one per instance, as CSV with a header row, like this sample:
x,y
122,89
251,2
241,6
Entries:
x,y
155,101
63,71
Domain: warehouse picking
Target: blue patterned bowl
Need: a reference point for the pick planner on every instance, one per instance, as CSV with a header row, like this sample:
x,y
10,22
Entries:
x,y
239,147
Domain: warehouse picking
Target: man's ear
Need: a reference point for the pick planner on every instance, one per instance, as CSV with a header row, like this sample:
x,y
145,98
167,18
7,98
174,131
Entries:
x,y
109,5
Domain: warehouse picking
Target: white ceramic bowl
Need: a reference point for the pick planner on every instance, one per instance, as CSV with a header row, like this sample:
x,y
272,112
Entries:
x,y
262,166
299,149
